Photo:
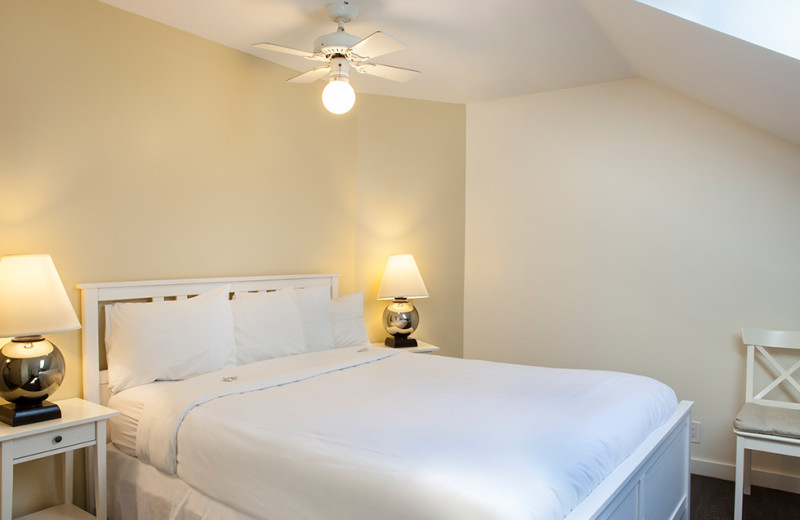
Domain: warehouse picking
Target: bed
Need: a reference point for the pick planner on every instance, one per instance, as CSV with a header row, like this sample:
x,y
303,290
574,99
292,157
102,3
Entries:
x,y
357,431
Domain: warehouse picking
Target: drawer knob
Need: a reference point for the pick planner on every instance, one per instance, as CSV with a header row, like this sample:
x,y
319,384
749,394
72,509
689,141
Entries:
x,y
58,439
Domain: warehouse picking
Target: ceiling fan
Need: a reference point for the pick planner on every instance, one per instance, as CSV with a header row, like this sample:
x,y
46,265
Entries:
x,y
342,51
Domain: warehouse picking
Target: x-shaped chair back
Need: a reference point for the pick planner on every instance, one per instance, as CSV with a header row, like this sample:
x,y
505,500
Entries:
x,y
762,347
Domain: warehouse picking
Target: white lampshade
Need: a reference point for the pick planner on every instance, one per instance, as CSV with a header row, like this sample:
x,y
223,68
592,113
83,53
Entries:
x,y
401,279
32,298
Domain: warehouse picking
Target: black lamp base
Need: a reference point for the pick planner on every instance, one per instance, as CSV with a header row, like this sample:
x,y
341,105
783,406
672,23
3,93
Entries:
x,y
18,415
400,342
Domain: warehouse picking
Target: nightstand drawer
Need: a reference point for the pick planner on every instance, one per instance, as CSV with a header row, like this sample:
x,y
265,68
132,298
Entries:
x,y
54,440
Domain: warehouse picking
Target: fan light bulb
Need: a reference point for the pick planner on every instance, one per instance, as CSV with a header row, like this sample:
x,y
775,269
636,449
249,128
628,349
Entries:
x,y
338,96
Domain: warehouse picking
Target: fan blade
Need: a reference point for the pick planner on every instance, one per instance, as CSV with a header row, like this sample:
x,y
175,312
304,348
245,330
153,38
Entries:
x,y
387,71
376,44
284,49
310,76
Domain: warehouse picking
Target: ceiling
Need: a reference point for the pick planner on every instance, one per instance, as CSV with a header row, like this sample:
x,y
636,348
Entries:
x,y
476,51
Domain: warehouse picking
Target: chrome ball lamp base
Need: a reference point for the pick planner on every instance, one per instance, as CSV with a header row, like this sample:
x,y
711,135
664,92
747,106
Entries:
x,y
31,369
400,319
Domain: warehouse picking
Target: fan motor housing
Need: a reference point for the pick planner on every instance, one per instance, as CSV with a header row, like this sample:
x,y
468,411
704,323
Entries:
x,y
335,43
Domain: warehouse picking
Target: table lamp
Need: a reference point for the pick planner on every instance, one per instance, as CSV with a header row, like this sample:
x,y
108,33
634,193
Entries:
x,y
33,302
401,282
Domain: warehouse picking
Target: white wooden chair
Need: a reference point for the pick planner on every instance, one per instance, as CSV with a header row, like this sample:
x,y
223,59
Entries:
x,y
763,423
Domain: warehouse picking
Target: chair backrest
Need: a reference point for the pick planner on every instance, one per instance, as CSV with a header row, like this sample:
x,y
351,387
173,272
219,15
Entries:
x,y
770,349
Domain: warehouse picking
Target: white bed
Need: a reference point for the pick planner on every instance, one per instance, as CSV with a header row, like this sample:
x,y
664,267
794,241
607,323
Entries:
x,y
375,433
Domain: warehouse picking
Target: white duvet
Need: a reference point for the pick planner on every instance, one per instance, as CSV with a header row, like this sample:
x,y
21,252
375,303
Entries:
x,y
375,434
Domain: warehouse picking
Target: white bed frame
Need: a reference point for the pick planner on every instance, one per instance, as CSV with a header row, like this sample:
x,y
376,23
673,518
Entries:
x,y
651,484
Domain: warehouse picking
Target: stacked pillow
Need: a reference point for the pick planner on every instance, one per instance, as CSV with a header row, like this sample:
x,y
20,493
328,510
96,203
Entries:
x,y
267,325
168,340
173,340
347,321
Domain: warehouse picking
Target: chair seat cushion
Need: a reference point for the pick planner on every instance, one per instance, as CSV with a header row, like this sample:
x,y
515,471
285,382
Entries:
x,y
768,420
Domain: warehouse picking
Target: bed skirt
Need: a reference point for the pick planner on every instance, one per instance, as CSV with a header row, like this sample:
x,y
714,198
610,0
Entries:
x,y
138,491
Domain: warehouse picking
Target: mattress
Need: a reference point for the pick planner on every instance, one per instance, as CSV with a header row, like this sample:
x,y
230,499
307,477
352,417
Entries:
x,y
130,404
372,433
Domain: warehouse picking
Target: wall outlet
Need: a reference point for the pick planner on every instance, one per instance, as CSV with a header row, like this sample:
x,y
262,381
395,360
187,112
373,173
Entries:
x,y
695,432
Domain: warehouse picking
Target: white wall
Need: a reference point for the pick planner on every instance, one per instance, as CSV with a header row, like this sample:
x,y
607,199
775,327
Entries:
x,y
622,226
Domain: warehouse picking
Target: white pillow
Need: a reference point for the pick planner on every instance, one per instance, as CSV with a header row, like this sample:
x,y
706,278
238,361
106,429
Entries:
x,y
267,325
347,314
168,340
315,310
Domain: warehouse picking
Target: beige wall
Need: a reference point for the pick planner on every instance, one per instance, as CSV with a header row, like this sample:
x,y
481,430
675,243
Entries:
x,y
411,200
130,150
621,226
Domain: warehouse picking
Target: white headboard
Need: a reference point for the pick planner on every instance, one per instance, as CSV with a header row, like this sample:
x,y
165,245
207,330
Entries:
x,y
94,296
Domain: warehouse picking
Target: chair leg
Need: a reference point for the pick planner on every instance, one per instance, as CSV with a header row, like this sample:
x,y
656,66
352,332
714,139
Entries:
x,y
740,472
748,455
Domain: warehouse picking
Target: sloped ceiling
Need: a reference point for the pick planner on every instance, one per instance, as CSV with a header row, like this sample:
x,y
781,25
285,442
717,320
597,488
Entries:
x,y
476,51
748,82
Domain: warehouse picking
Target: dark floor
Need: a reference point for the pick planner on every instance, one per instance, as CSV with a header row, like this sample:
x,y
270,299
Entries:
x,y
712,499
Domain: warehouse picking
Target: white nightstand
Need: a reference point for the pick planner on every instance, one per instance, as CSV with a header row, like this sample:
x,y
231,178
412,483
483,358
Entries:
x,y
421,348
82,425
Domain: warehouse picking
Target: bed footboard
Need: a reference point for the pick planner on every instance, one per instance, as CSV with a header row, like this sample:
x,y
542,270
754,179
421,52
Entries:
x,y
653,482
